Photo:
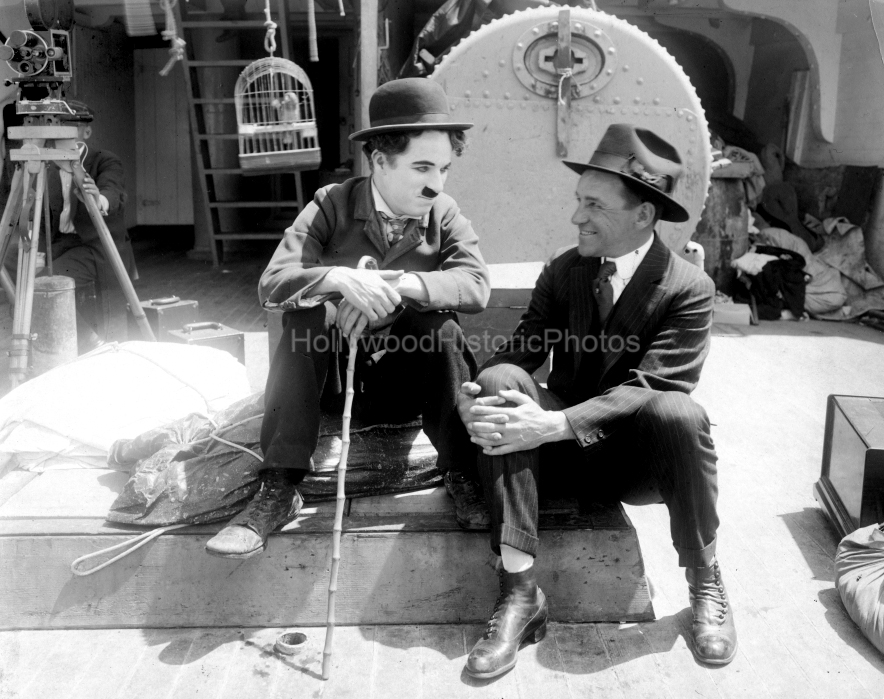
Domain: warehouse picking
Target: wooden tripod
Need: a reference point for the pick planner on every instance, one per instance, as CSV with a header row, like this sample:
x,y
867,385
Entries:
x,y
44,144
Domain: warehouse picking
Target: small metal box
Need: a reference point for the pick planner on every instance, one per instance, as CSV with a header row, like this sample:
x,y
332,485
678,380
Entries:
x,y
169,313
210,334
851,486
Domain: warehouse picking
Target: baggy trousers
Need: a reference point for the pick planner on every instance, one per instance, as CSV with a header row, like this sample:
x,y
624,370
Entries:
x,y
421,372
664,451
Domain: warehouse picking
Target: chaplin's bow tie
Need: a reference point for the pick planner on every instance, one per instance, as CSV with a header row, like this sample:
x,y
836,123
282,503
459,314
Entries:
x,y
395,226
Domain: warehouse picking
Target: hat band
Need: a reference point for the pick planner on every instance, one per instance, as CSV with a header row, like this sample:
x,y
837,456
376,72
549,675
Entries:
x,y
426,118
631,167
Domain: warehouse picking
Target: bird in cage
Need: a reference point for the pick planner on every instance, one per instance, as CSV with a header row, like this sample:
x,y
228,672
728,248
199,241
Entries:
x,y
288,111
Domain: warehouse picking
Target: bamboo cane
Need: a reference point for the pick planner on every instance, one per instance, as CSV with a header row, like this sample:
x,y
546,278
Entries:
x,y
339,510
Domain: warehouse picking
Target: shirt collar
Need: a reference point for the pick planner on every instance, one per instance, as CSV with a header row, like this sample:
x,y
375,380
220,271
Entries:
x,y
381,205
628,263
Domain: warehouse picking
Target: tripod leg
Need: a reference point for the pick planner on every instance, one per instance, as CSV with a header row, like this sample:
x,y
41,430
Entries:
x,y
113,255
10,215
47,223
24,302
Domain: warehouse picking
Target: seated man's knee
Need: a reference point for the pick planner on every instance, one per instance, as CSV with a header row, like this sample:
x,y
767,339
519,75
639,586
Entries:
x,y
674,409
503,377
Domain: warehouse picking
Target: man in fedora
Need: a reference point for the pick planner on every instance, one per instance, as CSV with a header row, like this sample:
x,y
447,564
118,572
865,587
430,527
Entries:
x,y
628,323
428,268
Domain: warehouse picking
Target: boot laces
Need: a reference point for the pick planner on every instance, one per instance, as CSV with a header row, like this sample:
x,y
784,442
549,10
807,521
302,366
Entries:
x,y
711,590
491,627
265,500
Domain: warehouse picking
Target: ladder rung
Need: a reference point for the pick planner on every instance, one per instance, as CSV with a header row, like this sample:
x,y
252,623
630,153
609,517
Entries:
x,y
223,24
253,204
231,63
250,236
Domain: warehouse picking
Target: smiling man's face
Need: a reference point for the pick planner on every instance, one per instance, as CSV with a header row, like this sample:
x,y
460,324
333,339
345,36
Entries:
x,y
610,220
411,181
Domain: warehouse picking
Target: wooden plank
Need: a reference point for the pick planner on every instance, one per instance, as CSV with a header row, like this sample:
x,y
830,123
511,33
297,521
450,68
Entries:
x,y
386,577
444,654
351,668
154,675
397,654
204,670
253,667
14,481
586,662
540,671
633,661
23,655
66,493
116,653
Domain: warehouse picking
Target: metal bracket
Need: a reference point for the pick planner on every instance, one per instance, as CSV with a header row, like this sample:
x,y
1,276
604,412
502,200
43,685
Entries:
x,y
564,64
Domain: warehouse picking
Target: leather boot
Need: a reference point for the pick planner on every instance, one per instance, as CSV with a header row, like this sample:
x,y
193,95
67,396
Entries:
x,y
520,614
714,633
276,503
470,509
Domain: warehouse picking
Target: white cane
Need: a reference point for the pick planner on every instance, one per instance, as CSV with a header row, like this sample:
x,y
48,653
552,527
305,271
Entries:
x,y
366,262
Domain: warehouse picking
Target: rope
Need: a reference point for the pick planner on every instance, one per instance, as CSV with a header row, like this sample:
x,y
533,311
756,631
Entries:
x,y
270,26
170,34
135,544
566,73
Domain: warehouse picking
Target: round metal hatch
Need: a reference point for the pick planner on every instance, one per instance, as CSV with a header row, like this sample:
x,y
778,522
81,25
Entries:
x,y
511,182
593,58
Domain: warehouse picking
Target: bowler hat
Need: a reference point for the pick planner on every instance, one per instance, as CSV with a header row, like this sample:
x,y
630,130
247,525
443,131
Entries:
x,y
643,159
409,104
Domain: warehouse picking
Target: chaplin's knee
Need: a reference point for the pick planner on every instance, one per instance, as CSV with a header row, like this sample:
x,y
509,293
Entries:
x,y
503,377
673,409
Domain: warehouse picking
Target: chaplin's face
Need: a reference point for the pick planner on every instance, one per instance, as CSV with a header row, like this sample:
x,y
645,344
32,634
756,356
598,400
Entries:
x,y
411,181
609,218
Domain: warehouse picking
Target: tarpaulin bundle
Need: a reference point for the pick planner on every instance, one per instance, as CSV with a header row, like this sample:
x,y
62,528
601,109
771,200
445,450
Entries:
x,y
196,470
859,577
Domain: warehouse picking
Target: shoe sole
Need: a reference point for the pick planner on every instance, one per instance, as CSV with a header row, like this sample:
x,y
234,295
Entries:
x,y
723,661
239,556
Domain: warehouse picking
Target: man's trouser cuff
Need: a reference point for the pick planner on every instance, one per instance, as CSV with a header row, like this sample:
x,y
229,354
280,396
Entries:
x,y
517,539
696,558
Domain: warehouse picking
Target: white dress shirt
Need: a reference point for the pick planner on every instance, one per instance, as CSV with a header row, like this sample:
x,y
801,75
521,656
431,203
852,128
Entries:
x,y
626,266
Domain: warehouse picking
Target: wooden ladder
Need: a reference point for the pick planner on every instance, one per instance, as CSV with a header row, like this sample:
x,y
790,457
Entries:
x,y
233,217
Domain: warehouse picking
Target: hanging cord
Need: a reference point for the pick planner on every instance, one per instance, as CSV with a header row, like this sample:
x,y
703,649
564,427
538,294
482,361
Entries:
x,y
170,34
311,31
270,25
565,74
131,545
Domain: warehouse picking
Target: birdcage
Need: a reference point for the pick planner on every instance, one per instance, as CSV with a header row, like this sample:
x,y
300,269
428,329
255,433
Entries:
x,y
276,118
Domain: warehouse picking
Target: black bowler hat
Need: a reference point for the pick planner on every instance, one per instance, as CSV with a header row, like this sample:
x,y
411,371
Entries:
x,y
409,104
643,159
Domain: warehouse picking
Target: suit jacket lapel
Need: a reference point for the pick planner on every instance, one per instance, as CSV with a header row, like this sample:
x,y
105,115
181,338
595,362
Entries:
x,y
583,307
638,300
365,212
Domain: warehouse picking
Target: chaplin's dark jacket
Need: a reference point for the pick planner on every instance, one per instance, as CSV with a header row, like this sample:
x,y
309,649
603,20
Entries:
x,y
656,337
340,225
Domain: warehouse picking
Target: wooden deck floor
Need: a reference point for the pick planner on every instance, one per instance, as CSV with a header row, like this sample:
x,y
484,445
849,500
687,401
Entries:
x,y
765,391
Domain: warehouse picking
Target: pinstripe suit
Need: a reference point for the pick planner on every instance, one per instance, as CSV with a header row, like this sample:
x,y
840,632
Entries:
x,y
639,436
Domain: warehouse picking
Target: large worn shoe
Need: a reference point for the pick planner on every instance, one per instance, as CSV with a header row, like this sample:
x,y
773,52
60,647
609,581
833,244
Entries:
x,y
470,509
715,636
520,614
277,502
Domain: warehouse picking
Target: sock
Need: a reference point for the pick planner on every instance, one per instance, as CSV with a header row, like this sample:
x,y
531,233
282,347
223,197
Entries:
x,y
515,561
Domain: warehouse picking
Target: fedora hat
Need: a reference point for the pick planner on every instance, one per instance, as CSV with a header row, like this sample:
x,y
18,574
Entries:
x,y
409,104
644,160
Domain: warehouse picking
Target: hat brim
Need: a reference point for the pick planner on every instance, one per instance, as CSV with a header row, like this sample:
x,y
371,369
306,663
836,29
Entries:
x,y
671,210
365,134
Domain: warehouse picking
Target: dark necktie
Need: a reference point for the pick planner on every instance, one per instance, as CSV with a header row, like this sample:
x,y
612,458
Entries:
x,y
604,291
395,227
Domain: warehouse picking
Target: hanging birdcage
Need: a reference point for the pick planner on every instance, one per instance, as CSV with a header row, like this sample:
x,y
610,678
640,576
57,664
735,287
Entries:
x,y
275,117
